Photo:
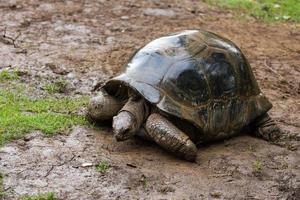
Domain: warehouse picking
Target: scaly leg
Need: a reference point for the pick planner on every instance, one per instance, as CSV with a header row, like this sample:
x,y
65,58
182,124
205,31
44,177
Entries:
x,y
168,136
267,128
130,118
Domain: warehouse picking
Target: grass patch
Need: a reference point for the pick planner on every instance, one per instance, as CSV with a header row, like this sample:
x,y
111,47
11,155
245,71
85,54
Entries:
x,y
58,86
103,167
47,196
20,114
257,166
6,75
144,181
267,10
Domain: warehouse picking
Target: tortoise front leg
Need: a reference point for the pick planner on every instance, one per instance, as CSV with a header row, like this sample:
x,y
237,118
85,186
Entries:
x,y
168,136
267,129
130,118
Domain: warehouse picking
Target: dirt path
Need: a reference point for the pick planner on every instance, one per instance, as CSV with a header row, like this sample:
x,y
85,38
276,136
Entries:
x,y
92,41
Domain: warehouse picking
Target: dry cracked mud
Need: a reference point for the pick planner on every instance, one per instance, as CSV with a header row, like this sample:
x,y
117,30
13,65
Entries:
x,y
89,41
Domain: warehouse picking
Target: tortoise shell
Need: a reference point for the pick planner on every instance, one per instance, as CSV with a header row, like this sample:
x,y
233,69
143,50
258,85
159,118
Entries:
x,y
197,76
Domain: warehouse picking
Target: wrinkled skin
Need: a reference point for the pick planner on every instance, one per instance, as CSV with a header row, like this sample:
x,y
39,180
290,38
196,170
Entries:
x,y
124,126
195,77
103,106
134,116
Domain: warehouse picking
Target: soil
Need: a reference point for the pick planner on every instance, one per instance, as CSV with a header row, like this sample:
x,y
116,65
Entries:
x,y
86,42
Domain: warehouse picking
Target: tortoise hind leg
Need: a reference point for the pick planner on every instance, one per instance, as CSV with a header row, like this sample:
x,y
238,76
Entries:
x,y
168,136
267,128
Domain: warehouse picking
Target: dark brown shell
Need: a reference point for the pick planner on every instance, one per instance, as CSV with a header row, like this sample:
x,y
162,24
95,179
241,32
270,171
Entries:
x,y
197,76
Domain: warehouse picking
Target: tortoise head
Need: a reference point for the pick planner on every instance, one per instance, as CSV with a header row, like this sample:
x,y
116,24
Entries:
x,y
124,126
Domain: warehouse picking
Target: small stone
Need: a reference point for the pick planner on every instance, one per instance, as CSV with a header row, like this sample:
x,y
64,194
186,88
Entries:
x,y
159,12
57,69
87,164
215,194
71,75
15,6
110,40
124,17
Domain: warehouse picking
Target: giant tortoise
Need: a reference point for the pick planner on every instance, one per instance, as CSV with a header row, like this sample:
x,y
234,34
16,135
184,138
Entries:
x,y
183,90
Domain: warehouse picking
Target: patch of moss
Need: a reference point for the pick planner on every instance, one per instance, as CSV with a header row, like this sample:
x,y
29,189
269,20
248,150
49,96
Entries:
x,y
21,114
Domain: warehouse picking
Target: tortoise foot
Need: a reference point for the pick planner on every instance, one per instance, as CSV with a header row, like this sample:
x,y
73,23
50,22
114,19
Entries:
x,y
129,119
267,129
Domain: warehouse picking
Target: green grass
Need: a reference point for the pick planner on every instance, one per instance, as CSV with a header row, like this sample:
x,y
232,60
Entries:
x,y
257,166
47,196
267,10
58,86
6,75
144,181
20,114
103,167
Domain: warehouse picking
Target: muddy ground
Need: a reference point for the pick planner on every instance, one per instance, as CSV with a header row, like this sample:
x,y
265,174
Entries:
x,y
88,42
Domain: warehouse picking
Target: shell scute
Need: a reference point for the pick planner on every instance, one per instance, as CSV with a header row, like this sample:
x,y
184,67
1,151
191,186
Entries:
x,y
221,75
187,85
